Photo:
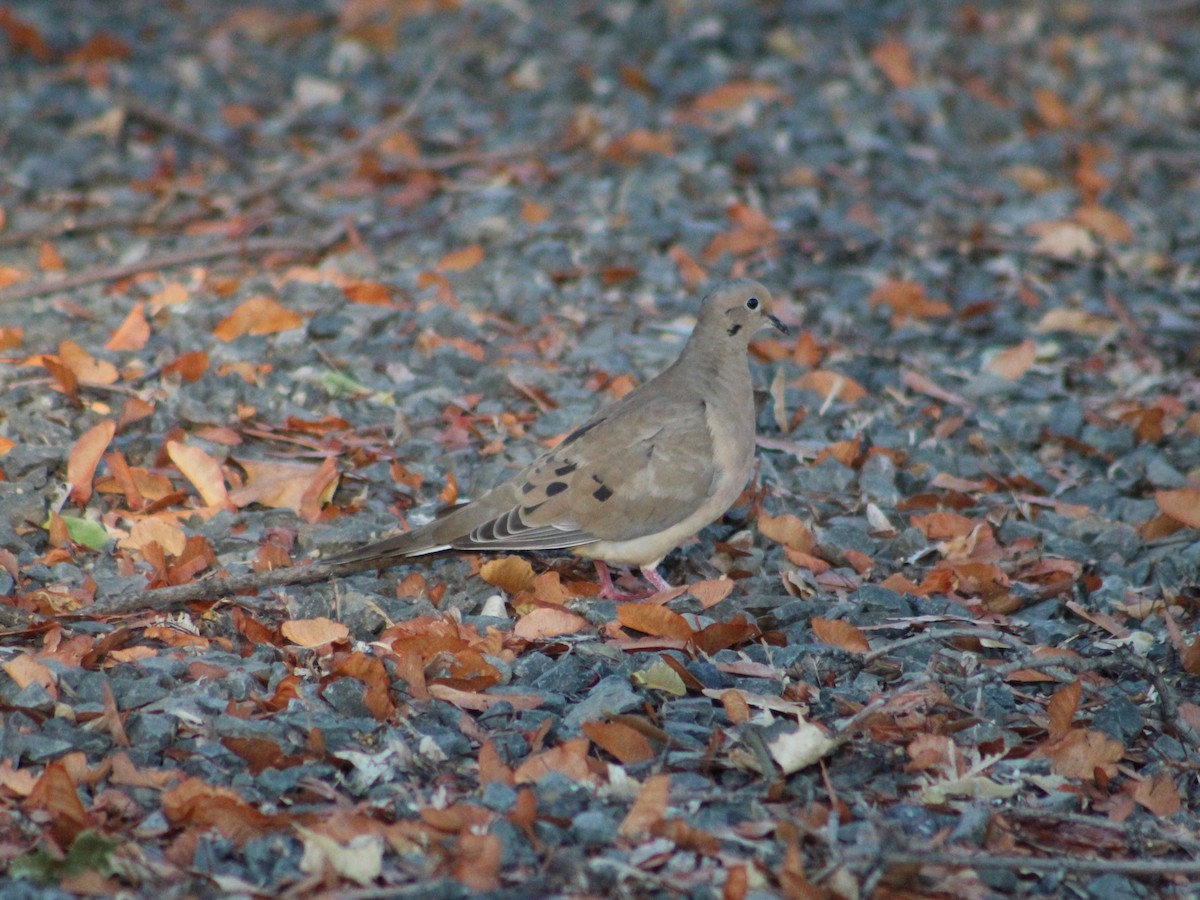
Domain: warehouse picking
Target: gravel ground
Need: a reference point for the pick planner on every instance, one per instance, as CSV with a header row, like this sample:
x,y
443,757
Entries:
x,y
280,277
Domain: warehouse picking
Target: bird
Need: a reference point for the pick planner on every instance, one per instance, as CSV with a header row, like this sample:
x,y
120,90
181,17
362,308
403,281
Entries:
x,y
635,480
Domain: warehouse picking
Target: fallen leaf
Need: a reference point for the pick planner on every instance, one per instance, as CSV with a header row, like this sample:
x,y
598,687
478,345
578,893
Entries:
x,y
840,634
201,470
85,456
895,61
133,332
627,744
1065,241
512,574
545,622
1181,504
257,316
314,632
907,300
1014,362
654,620
648,809
461,260
796,750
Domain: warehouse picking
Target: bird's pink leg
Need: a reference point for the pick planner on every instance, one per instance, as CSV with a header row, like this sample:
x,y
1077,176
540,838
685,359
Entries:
x,y
650,573
608,590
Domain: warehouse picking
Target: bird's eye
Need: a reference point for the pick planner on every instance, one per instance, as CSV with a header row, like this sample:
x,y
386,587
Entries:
x,y
752,303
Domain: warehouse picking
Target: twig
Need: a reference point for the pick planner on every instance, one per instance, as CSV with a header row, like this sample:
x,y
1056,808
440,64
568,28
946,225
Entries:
x,y
1133,867
983,633
156,118
297,175
251,247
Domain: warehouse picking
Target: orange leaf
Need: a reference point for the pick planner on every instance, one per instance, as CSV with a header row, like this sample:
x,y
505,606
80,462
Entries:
x,y
568,758
840,634
1051,109
1104,223
533,213
618,739
368,293
48,258
10,275
11,338
649,808
939,526
1182,505
461,260
85,455
314,632
787,530
201,470
188,366
1159,795
1014,362
640,142
1080,753
654,620
712,591
826,383
55,794
546,621
895,61
1062,708
512,574
87,368
736,707
691,273
907,300
733,95
133,333
282,485
257,316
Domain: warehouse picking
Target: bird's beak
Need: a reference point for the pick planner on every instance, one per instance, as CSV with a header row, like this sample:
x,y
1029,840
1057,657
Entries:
x,y
779,326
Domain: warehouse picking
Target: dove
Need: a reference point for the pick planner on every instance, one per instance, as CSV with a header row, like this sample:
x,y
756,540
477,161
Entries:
x,y
637,479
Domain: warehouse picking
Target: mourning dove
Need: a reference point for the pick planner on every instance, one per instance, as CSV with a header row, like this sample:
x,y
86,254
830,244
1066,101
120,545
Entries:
x,y
638,478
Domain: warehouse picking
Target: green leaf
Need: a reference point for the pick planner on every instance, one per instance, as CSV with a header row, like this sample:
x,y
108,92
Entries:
x,y
85,532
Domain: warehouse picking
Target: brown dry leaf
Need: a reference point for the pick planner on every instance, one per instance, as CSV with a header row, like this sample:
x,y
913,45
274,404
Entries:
x,y
10,275
907,300
1079,753
547,621
1159,795
132,333
840,634
257,316
627,744
1181,504
201,470
167,534
512,574
369,293
654,620
6,446
1062,708
895,61
188,366
691,273
1063,240
826,383
736,707
568,758
1014,362
461,260
476,701
629,148
172,293
940,526
534,213
55,794
284,485
480,861
314,632
11,338
85,367
85,456
48,258
752,231
1075,321
198,805
788,530
1104,223
733,95
712,591
1051,109
648,809
26,670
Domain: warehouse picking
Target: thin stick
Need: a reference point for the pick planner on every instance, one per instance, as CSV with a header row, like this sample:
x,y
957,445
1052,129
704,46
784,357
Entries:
x,y
247,248
1134,867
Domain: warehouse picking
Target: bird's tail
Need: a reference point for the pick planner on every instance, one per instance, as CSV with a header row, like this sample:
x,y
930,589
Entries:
x,y
387,552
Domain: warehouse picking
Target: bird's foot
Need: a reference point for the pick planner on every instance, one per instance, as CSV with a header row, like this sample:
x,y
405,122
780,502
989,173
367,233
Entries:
x,y
609,591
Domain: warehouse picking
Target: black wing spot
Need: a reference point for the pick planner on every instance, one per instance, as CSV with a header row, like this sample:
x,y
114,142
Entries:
x,y
734,329
530,510
580,432
602,493
527,487
566,470
555,487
